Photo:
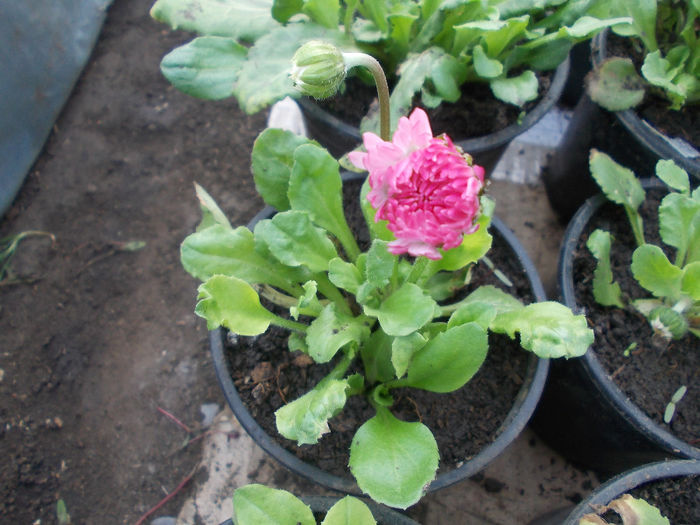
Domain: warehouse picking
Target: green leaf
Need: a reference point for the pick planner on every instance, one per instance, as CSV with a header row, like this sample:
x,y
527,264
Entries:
x,y
380,263
240,19
392,460
209,206
231,302
643,13
331,331
615,84
679,215
486,67
261,505
323,12
690,284
588,26
473,248
482,306
207,67
673,175
405,311
637,511
660,72
619,184
264,77
449,360
315,187
295,241
344,275
548,329
516,90
349,511
402,350
221,250
283,10
272,161
305,419
605,290
655,272
376,357
308,303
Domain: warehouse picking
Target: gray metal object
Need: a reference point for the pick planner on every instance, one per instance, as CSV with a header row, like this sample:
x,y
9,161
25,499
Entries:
x,y
44,45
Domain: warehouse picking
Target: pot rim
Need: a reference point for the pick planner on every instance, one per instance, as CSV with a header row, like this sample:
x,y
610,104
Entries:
x,y
471,145
646,134
589,362
631,479
515,421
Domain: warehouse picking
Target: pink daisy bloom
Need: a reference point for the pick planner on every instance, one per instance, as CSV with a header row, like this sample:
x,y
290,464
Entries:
x,y
424,186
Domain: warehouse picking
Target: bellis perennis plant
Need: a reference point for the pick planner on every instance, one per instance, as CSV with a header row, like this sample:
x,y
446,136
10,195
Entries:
x,y
380,317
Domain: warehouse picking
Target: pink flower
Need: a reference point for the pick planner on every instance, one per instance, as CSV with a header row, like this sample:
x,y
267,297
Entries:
x,y
424,186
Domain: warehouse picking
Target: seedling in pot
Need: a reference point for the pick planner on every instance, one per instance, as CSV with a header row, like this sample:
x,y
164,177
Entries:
x,y
671,407
633,511
255,504
674,309
379,309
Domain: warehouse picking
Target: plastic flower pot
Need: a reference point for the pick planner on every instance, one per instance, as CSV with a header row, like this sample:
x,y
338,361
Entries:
x,y
583,414
518,416
620,485
383,515
627,138
340,137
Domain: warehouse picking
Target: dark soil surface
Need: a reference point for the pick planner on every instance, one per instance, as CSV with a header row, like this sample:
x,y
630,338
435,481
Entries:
x,y
267,376
655,369
97,338
677,498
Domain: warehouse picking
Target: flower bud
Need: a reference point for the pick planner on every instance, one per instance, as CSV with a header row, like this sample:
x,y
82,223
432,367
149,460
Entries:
x,y
318,69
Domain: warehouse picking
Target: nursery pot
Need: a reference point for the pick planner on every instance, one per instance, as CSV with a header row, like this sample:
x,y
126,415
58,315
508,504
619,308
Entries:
x,y
516,419
622,484
583,414
340,137
383,515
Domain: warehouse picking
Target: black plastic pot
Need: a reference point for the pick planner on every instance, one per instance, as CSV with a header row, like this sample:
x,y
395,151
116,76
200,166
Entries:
x,y
628,139
339,137
383,515
517,418
583,414
620,485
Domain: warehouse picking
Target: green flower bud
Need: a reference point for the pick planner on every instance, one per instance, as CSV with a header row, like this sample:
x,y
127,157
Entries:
x,y
668,322
318,69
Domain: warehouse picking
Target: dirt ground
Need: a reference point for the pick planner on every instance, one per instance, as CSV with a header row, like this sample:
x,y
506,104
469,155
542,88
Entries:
x,y
99,344
99,338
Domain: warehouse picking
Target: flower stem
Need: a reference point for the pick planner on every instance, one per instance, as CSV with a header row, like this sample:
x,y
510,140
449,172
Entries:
x,y
362,59
288,324
327,288
419,266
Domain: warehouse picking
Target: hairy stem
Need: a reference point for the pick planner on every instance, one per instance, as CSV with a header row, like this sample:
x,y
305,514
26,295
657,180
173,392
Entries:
x,y
364,60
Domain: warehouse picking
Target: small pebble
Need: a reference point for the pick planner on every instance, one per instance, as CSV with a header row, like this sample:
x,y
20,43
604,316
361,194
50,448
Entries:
x,y
209,411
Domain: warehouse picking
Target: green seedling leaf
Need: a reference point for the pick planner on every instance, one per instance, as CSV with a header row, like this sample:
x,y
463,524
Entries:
x,y
392,460
629,349
331,331
62,513
240,19
344,275
221,250
615,85
305,419
671,407
260,505
207,67
231,302
486,67
605,290
315,187
548,329
690,284
405,311
380,263
349,511
272,161
673,175
679,218
449,360
402,350
655,273
210,208
516,90
295,241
